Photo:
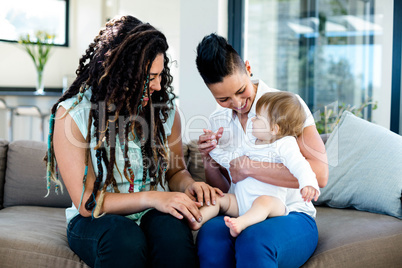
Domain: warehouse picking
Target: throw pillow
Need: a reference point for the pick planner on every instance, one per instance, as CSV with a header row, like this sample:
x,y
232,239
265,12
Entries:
x,y
365,168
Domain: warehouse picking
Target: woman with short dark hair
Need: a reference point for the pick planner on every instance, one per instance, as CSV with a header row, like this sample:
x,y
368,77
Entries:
x,y
286,241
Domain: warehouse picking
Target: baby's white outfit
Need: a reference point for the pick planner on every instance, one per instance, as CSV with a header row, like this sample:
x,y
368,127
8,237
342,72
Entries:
x,y
285,151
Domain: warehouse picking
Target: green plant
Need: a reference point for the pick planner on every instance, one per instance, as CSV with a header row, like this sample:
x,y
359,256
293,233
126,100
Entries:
x,y
38,47
329,117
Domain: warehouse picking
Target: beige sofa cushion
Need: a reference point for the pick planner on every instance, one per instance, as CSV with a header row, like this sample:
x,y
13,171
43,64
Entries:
x,y
35,237
26,177
351,238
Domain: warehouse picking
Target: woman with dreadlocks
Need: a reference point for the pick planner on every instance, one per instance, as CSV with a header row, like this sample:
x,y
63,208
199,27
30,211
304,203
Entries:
x,y
115,135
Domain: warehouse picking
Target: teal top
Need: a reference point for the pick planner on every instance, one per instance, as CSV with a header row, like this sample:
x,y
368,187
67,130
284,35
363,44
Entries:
x,y
80,116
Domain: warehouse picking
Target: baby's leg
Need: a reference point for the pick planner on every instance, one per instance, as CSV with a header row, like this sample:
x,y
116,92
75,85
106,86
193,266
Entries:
x,y
263,207
226,205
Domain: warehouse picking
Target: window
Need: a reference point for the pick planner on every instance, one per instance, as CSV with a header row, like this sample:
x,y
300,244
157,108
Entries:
x,y
21,17
331,52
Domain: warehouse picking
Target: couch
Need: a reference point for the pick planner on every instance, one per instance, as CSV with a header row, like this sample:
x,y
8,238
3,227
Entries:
x,y
33,228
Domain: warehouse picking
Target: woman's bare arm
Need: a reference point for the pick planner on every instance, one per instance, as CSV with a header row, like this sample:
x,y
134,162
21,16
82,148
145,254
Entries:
x,y
70,146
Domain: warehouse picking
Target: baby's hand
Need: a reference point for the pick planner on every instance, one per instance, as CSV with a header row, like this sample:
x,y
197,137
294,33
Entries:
x,y
309,193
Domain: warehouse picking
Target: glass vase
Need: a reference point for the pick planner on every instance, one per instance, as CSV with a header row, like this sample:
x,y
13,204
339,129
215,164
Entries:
x,y
40,88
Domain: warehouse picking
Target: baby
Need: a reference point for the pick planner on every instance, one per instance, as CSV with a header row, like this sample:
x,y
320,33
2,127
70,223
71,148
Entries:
x,y
279,120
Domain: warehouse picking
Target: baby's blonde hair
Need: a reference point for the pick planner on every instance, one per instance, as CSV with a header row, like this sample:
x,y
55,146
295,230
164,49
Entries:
x,y
284,109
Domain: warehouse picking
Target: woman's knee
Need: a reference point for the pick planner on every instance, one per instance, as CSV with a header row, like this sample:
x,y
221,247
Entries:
x,y
250,241
213,233
170,240
164,227
255,250
215,244
123,243
276,241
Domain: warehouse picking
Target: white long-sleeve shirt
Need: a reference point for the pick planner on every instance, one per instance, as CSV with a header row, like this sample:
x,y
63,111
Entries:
x,y
285,151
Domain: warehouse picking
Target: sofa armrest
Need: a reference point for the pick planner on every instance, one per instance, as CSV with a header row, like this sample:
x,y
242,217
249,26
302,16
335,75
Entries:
x,y
3,161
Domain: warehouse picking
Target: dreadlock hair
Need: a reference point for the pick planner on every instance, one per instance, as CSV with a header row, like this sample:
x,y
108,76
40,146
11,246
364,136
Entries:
x,y
216,58
116,68
283,109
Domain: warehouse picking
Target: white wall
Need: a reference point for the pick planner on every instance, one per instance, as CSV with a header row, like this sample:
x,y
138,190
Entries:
x,y
17,69
198,18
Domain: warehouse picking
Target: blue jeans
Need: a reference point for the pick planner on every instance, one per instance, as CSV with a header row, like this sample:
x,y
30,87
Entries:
x,y
286,241
115,241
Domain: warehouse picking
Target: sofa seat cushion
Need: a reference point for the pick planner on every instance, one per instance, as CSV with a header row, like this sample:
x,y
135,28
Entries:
x,y
351,238
35,237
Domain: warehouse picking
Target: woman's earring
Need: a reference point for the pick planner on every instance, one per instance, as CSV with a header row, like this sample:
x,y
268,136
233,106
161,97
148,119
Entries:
x,y
251,74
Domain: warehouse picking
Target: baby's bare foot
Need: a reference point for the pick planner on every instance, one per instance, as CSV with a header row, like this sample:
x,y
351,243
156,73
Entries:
x,y
234,225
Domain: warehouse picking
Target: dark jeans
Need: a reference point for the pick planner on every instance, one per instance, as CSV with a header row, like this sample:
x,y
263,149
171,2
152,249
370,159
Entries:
x,y
115,241
286,241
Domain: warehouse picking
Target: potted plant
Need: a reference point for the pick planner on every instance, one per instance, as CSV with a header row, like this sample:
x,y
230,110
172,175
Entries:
x,y
38,47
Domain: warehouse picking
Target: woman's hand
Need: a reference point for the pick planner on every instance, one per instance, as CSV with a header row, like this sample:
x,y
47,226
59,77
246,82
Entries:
x,y
178,205
200,192
239,167
208,141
